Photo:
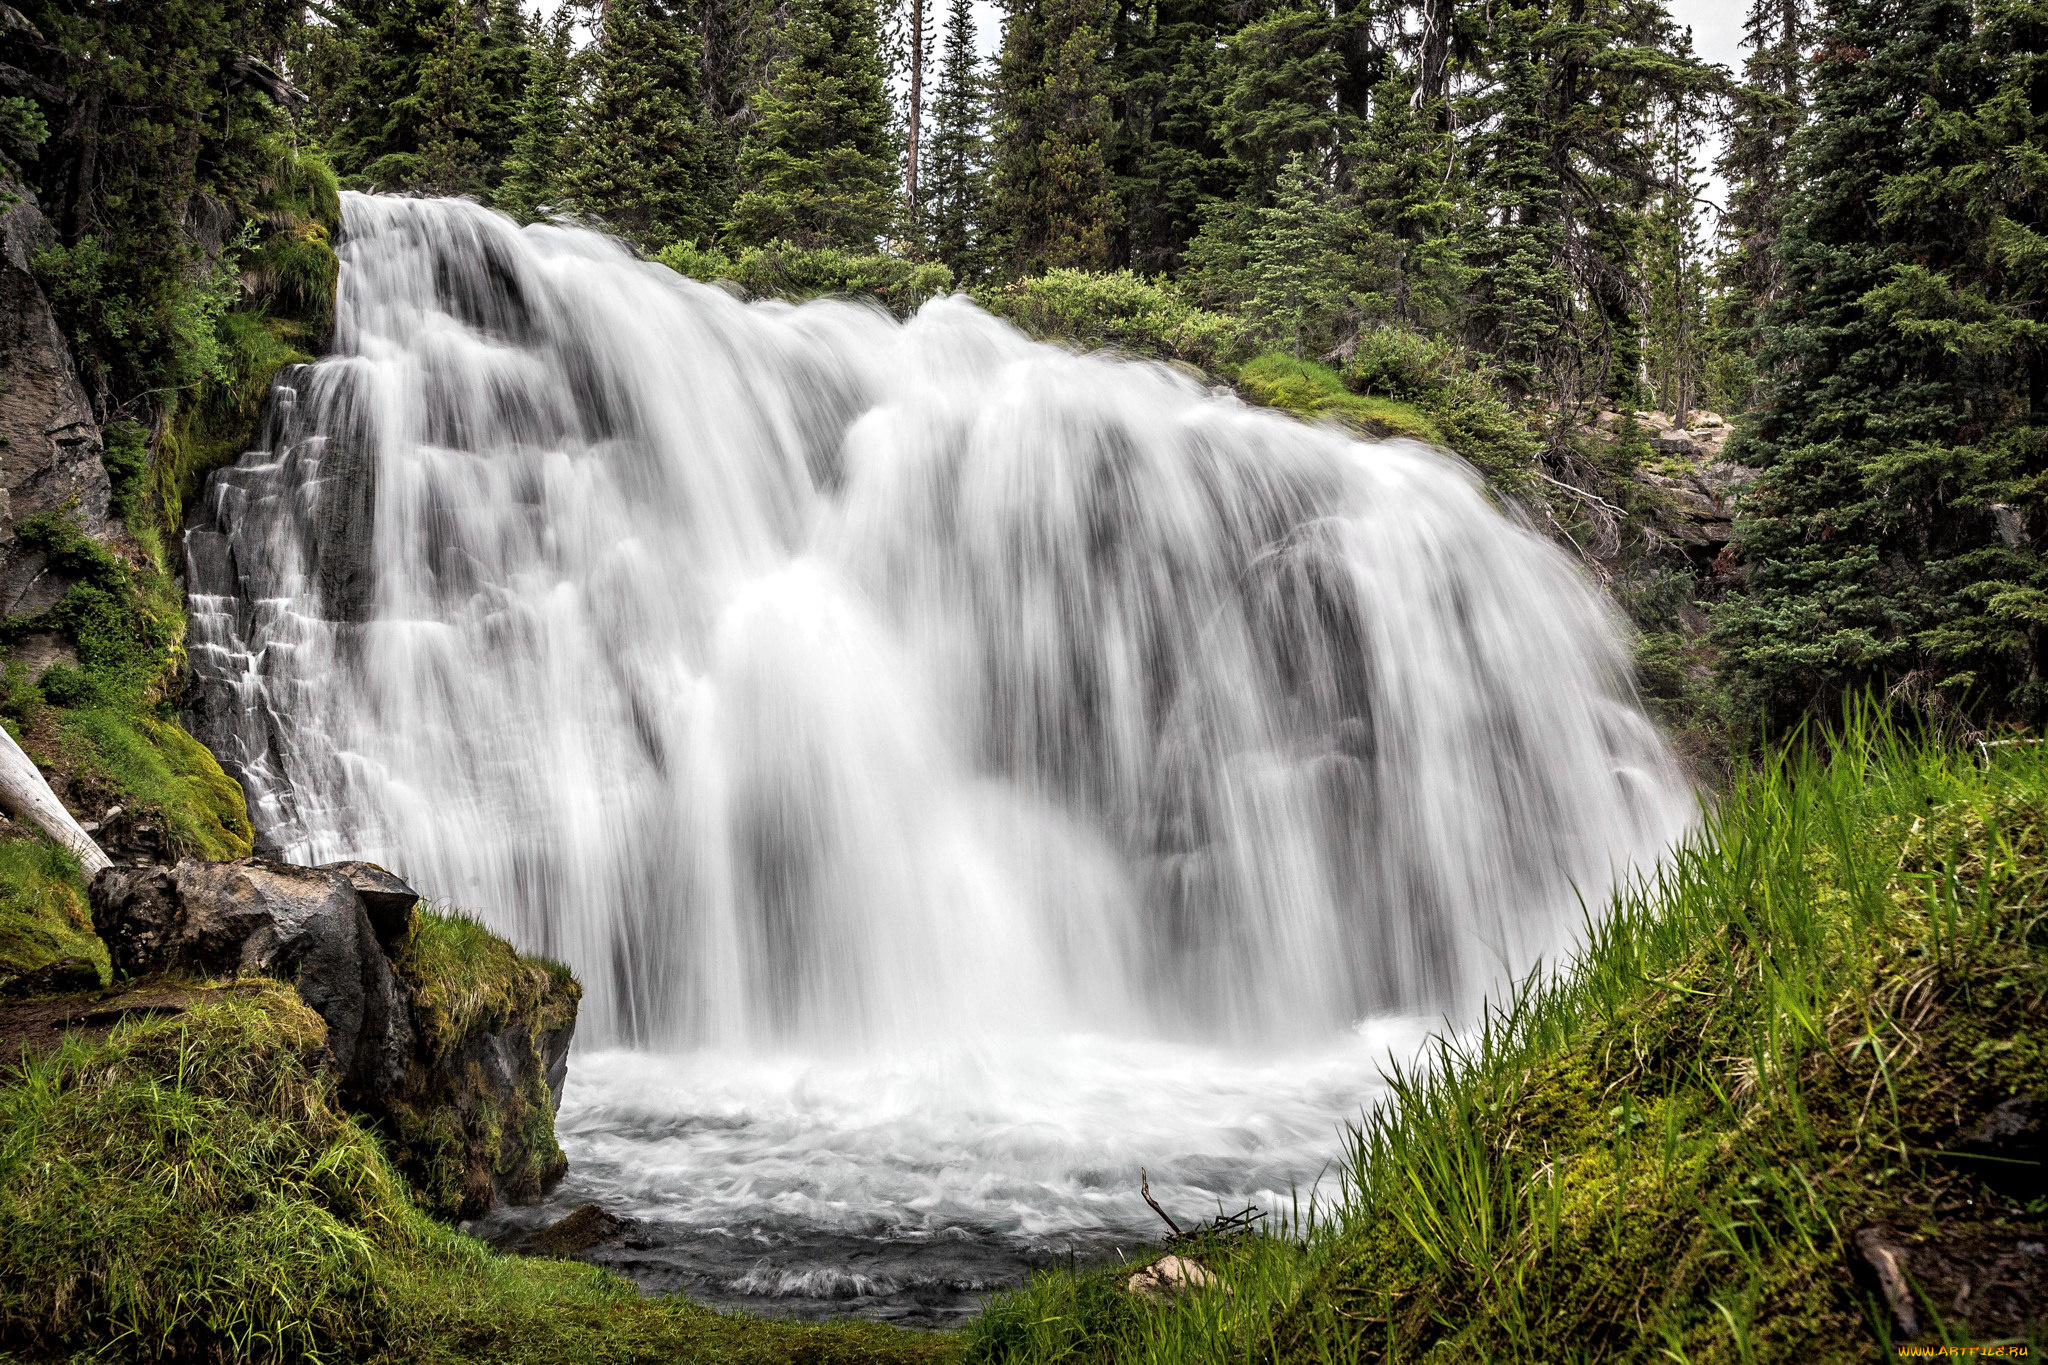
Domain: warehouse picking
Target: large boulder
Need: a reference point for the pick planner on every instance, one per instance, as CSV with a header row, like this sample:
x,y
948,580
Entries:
x,y
454,1043
252,917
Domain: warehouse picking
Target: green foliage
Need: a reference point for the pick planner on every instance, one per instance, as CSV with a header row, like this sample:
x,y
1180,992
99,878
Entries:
x,y
1891,537
46,937
191,1189
1120,309
818,168
1664,1148
1460,396
22,127
782,271
127,626
541,146
414,94
154,119
146,763
641,156
1296,260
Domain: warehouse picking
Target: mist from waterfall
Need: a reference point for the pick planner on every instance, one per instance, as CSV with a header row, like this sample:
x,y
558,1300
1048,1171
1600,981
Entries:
x,y
818,684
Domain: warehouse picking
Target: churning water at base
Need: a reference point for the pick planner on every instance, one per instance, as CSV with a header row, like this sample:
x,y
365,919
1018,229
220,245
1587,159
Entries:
x,y
1026,743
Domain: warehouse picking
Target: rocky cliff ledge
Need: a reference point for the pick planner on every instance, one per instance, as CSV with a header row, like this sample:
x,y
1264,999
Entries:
x,y
450,1041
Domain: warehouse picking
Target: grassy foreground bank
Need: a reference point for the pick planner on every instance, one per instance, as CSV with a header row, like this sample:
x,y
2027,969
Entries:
x,y
1664,1154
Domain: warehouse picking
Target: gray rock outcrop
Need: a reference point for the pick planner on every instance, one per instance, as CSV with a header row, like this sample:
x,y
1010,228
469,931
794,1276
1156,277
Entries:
x,y
304,925
49,442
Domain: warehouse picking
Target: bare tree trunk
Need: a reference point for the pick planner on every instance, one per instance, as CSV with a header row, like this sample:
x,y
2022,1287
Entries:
x,y
1434,52
27,797
916,109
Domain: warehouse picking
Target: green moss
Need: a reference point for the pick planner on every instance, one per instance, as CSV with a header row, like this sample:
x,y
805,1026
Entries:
x,y
151,764
1310,390
466,980
477,1004
46,937
1661,1154
190,1189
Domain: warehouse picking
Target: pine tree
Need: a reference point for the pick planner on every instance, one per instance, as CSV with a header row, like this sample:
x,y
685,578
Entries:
x,y
641,158
1054,193
1675,274
818,168
1280,76
447,110
1296,259
1891,539
540,144
1412,232
956,156
1765,112
416,94
1522,291
1169,160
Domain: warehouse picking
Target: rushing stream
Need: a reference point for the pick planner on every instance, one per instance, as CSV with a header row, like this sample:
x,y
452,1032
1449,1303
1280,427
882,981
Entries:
x,y
960,771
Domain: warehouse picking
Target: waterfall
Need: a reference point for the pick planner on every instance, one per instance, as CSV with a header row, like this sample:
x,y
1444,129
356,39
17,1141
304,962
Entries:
x,y
808,679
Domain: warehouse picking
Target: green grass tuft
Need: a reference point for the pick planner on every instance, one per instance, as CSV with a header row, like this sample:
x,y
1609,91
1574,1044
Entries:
x,y
1310,390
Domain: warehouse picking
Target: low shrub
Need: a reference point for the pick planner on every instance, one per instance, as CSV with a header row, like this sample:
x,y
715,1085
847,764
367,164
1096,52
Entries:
x,y
1147,317
782,271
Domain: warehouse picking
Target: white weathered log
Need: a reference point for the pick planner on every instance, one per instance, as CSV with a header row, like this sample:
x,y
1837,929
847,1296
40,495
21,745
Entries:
x,y
24,795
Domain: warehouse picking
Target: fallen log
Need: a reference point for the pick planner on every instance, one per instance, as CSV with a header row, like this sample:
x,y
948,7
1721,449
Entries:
x,y
25,796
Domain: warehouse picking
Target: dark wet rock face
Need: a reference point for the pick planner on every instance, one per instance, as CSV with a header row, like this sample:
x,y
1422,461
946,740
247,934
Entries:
x,y
587,1226
49,442
2008,1148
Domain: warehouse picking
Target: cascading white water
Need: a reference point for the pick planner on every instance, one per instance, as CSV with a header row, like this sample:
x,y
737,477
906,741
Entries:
x,y
821,684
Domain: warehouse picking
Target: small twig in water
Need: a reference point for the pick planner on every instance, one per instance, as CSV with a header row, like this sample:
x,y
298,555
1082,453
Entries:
x,y
1145,1189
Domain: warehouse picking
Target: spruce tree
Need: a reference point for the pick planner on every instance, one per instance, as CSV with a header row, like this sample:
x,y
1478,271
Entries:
x,y
416,94
641,158
1892,539
956,155
818,169
1412,230
1054,193
1169,161
1767,108
1296,260
1280,74
1521,288
533,177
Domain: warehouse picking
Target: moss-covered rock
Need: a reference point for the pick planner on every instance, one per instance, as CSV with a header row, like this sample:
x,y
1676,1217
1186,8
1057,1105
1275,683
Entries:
x,y
474,1122
46,937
